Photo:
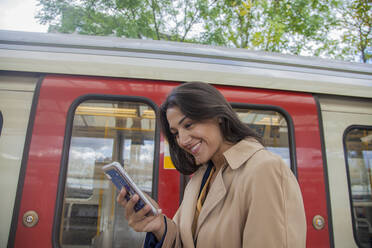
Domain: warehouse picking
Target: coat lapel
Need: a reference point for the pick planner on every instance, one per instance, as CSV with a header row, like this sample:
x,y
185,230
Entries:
x,y
216,193
189,205
235,157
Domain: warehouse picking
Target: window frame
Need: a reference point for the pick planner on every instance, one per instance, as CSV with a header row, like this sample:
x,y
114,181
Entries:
x,y
1,122
347,130
58,212
290,125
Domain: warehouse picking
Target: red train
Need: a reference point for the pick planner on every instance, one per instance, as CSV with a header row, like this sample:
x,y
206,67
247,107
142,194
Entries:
x,y
70,104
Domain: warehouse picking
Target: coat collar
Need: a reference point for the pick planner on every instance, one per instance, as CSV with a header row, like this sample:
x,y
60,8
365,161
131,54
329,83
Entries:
x,y
236,156
241,152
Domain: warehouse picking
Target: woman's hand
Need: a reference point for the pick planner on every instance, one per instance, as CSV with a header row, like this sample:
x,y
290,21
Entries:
x,y
138,220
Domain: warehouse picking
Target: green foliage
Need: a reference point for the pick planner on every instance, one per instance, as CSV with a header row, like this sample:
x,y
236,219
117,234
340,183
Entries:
x,y
306,27
356,27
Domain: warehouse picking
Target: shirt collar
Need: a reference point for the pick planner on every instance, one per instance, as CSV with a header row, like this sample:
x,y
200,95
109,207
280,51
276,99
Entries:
x,y
239,153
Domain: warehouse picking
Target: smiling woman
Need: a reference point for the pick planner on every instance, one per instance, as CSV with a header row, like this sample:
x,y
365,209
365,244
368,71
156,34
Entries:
x,y
238,187
199,102
201,139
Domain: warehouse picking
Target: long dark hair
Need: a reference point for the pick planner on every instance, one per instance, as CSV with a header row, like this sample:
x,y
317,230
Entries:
x,y
200,101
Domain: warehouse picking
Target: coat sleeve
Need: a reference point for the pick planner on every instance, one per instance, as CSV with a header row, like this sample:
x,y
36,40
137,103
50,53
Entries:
x,y
172,237
276,215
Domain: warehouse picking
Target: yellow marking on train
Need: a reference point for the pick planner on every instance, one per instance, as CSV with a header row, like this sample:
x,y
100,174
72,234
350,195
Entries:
x,y
113,198
101,191
168,163
100,199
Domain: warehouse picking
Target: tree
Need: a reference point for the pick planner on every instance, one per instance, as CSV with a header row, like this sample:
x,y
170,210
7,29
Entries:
x,y
148,19
286,26
269,25
356,24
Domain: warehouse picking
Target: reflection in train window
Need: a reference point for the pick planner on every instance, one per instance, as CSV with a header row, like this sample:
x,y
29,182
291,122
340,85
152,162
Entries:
x,y
271,126
358,152
102,132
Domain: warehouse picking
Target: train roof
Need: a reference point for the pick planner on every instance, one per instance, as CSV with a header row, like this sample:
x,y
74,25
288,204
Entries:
x,y
175,61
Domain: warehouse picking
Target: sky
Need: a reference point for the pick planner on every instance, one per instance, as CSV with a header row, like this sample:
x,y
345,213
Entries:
x,y
19,15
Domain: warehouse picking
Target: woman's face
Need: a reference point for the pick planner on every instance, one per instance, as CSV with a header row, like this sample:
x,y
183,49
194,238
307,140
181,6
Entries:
x,y
202,139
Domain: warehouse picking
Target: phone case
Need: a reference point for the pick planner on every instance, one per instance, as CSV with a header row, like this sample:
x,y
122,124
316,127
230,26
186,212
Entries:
x,y
120,178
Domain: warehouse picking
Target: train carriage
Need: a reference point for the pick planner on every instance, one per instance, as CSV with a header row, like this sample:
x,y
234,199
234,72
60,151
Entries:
x,y
70,104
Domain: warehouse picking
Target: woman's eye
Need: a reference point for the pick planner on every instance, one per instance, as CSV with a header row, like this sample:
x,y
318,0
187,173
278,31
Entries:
x,y
188,125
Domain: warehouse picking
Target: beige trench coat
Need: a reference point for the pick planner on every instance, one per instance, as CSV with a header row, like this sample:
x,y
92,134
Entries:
x,y
254,201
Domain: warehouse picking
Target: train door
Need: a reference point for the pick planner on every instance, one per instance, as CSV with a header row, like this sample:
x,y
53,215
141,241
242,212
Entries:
x,y
16,93
80,124
348,143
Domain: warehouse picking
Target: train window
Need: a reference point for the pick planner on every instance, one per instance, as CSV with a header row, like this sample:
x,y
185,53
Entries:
x,y
271,126
102,132
358,152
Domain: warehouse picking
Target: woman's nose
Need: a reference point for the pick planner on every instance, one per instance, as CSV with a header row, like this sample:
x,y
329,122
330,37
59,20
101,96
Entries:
x,y
183,138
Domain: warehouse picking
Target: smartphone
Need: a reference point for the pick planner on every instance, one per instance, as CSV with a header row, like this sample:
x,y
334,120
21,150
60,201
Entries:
x,y
120,178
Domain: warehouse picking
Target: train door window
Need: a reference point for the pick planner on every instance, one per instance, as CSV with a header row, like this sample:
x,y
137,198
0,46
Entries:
x,y
102,132
271,126
358,152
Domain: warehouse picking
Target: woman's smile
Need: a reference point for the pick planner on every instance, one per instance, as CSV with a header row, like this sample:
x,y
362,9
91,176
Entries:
x,y
195,149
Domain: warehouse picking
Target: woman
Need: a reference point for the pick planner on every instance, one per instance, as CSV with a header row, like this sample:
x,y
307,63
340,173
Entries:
x,y
240,195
